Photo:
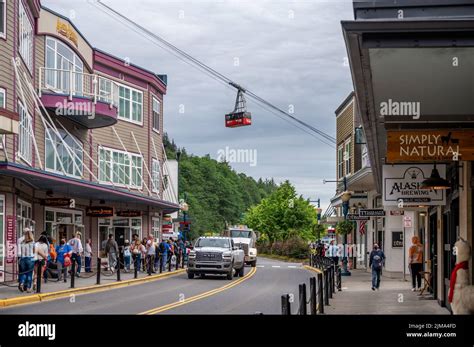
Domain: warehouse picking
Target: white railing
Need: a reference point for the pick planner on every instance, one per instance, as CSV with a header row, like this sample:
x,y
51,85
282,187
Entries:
x,y
78,84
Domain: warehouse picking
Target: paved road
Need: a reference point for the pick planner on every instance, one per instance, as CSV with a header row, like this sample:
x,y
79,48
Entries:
x,y
258,291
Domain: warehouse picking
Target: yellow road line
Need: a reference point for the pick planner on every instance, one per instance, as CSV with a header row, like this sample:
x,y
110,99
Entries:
x,y
199,296
22,300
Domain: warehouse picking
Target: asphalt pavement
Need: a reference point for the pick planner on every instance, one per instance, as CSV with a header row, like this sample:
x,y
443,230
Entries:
x,y
258,292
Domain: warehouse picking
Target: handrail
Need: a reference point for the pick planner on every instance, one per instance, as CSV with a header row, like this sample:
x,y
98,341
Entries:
x,y
75,83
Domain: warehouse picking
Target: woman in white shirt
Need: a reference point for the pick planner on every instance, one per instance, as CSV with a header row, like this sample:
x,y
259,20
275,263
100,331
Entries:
x,y
88,255
41,252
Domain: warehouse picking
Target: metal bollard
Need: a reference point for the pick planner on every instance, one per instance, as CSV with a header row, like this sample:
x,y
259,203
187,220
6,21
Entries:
x,y
38,276
333,269
330,288
339,279
285,305
118,268
149,264
73,273
135,269
161,263
177,262
320,293
302,292
326,288
169,264
312,295
99,265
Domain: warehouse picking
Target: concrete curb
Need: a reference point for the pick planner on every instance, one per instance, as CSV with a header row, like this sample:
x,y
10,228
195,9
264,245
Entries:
x,y
310,268
19,300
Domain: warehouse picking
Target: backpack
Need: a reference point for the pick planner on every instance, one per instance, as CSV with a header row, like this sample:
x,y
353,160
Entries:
x,y
377,260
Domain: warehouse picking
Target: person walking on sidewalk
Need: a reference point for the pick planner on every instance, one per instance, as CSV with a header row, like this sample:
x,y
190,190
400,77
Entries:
x,y
111,251
88,255
41,257
136,252
77,250
415,259
332,252
150,256
63,259
376,261
127,255
27,263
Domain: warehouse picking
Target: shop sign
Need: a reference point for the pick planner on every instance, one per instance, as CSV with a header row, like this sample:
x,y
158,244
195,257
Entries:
x,y
401,185
376,212
397,213
129,213
353,216
397,239
57,202
99,211
11,240
66,30
429,145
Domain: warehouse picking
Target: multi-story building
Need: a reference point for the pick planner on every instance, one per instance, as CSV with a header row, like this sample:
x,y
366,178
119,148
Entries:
x,y
82,136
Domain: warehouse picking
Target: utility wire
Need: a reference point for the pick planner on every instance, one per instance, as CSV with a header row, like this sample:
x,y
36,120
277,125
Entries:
x,y
190,60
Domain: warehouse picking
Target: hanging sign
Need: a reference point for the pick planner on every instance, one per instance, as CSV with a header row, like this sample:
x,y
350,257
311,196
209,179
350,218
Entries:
x,y
401,185
129,213
56,202
353,216
99,211
376,212
66,30
11,240
429,145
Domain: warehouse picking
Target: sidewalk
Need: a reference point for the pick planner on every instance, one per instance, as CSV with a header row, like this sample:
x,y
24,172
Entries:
x,y
10,295
394,297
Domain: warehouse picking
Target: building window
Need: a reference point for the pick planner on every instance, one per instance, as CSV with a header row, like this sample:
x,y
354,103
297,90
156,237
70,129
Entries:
x,y
25,37
120,168
340,161
3,19
155,168
155,227
25,134
67,158
61,64
347,157
105,90
3,102
130,104
365,157
156,114
23,217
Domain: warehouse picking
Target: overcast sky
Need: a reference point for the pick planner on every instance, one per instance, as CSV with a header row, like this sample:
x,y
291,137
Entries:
x,y
289,52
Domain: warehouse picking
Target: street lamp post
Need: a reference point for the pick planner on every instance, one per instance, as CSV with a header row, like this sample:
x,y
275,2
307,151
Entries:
x,y
182,202
345,197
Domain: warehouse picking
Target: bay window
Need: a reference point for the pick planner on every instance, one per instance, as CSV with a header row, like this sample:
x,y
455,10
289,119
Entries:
x,y
25,134
340,161
64,157
120,168
130,104
25,28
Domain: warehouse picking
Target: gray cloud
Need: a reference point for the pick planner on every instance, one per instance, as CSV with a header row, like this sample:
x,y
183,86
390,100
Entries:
x,y
288,61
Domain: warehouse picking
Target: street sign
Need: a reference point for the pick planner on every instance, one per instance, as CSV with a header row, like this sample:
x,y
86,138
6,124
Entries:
x,y
374,212
407,222
353,216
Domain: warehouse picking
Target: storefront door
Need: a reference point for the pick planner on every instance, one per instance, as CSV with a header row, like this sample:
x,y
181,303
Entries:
x,y
120,235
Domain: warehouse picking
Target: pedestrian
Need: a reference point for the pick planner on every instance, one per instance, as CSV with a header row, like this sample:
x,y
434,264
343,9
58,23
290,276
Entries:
x,y
27,262
41,254
164,249
136,252
415,261
63,260
376,261
333,252
127,255
143,249
88,255
158,254
111,251
150,256
77,250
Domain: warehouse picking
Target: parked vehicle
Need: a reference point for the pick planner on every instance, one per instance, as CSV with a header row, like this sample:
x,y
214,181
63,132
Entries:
x,y
246,238
216,255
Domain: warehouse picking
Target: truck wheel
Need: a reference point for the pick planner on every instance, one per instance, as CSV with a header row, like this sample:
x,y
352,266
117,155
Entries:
x,y
230,274
242,271
253,263
190,275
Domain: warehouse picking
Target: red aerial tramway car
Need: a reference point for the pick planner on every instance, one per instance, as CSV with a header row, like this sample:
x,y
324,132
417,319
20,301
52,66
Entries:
x,y
239,116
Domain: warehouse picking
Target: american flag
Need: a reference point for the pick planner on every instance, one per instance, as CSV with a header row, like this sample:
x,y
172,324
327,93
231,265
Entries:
x,y
362,224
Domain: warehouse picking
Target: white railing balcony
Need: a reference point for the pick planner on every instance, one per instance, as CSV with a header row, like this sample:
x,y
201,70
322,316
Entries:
x,y
78,84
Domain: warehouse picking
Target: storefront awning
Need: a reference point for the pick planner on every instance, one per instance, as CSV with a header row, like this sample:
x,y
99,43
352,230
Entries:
x,y
79,188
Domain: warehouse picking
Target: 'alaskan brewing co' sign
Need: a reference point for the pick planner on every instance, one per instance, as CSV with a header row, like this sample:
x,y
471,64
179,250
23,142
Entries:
x,y
402,182
429,145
